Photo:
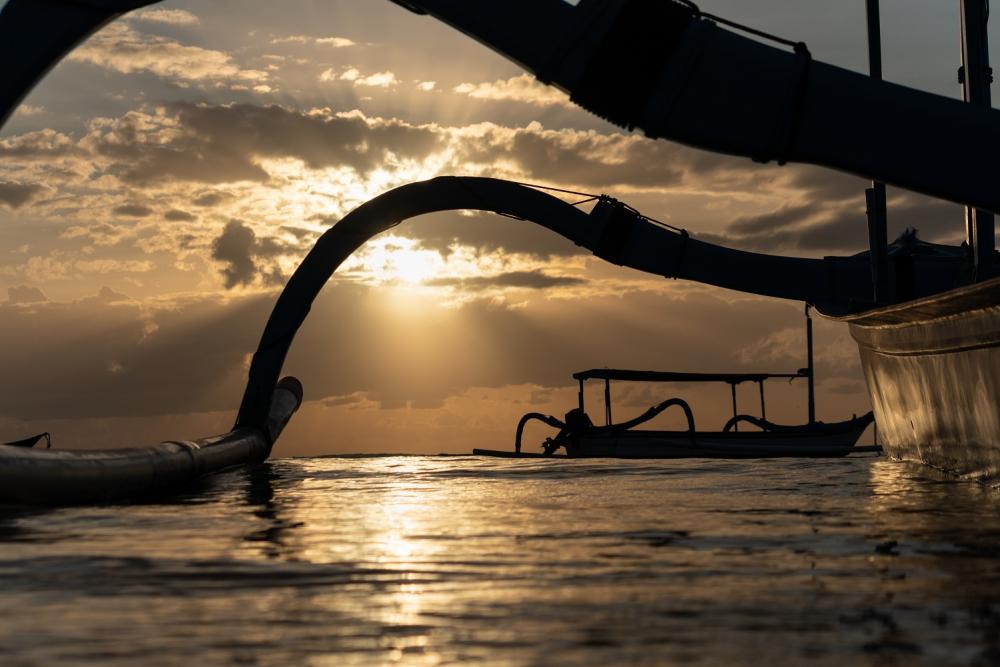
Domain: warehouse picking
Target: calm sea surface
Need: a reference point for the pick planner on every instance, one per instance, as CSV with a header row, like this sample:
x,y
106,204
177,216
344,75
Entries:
x,y
448,560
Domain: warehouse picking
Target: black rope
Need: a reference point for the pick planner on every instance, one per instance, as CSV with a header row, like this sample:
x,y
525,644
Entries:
x,y
589,198
747,29
590,195
636,212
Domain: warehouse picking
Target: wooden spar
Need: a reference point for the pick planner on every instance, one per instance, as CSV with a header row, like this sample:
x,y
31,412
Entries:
x,y
875,195
976,77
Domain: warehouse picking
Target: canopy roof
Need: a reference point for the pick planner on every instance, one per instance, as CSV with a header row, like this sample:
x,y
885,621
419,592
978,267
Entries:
x,y
662,376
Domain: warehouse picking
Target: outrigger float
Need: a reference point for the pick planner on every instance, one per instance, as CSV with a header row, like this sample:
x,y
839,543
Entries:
x,y
580,438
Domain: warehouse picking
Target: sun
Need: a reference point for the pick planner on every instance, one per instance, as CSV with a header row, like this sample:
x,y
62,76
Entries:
x,y
397,260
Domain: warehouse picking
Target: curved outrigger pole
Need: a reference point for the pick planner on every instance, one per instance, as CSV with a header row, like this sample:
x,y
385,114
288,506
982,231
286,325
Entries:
x,y
611,230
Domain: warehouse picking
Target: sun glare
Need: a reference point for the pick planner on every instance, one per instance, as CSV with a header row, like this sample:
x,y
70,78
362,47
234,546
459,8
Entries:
x,y
398,260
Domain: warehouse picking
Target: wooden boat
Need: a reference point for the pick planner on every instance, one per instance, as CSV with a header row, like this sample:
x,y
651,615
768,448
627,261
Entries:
x,y
580,438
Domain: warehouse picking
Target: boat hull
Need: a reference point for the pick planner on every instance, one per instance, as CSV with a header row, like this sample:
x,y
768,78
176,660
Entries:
x,y
819,440
933,371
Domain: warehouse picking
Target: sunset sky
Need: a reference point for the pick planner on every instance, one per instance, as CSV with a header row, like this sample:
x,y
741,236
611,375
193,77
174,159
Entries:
x,y
160,185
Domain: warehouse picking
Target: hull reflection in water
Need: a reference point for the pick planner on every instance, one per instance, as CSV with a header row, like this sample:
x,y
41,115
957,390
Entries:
x,y
427,560
933,373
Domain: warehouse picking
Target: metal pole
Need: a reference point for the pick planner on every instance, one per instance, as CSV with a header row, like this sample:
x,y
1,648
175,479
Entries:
x,y
875,195
809,367
976,75
607,400
581,396
736,426
763,411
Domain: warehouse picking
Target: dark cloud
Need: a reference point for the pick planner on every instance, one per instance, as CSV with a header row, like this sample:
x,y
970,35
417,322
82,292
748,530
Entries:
x,y
235,247
583,158
825,185
769,223
220,144
841,227
527,279
210,199
132,210
105,296
239,248
16,195
176,215
25,294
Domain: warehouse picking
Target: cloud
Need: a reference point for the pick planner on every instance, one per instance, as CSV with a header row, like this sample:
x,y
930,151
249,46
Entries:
x,y
120,48
356,399
210,199
335,42
352,74
580,158
536,279
240,249
44,144
523,88
169,16
235,248
176,215
15,195
427,86
58,265
839,224
25,294
132,210
220,144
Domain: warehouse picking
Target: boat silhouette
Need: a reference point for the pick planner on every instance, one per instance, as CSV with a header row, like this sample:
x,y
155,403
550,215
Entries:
x,y
580,438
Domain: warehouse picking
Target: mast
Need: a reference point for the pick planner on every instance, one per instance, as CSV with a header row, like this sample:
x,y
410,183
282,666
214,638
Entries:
x,y
976,75
809,367
875,195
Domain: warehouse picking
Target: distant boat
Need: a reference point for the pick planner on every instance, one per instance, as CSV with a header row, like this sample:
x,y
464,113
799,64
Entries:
x,y
578,437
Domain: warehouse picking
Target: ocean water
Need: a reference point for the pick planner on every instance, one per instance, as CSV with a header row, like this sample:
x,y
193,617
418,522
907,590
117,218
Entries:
x,y
459,560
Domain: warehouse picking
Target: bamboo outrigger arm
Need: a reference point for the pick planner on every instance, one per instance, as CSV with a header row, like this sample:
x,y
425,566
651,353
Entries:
x,y
36,34
612,231
676,73
661,66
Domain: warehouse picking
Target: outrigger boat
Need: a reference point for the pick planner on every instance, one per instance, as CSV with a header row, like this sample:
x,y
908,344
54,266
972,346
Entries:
x,y
926,319
580,438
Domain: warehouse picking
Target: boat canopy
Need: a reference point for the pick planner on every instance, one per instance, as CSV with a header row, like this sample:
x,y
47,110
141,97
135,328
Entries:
x,y
667,376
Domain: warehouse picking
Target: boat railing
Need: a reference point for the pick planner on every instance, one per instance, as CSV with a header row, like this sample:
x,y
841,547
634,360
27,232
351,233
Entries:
x,y
762,424
577,423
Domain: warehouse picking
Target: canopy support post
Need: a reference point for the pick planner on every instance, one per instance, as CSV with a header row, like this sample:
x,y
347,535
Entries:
x,y
581,396
976,77
809,367
763,410
607,401
875,195
736,426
